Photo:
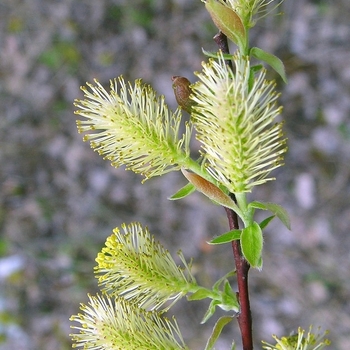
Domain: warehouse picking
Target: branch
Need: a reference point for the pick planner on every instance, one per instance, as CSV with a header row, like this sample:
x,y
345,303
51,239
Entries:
x,y
242,267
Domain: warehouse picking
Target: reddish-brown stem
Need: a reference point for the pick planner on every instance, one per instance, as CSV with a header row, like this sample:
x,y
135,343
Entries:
x,y
242,267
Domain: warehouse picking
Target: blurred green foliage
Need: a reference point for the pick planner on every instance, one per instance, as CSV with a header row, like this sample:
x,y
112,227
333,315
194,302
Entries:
x,y
59,54
123,16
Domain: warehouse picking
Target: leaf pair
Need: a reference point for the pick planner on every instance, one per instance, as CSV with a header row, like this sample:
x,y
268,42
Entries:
x,y
251,237
251,240
273,61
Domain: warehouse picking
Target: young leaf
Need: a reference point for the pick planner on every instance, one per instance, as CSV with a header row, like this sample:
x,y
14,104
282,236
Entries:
x,y
211,310
256,68
216,55
220,324
257,205
276,209
229,298
183,192
223,279
280,212
226,237
271,60
252,244
266,221
200,294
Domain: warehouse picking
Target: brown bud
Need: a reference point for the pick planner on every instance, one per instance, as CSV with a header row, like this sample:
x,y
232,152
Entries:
x,y
182,91
207,188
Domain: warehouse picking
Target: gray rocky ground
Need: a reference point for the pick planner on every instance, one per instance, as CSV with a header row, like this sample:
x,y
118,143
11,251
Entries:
x,y
59,200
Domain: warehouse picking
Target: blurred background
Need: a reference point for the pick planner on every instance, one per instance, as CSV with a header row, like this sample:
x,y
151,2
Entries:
x,y
60,200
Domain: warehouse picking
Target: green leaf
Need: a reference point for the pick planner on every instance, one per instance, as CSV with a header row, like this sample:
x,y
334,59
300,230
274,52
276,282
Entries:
x,y
276,209
228,289
252,244
200,294
211,310
217,284
228,22
227,237
183,192
220,324
266,221
216,55
229,298
271,60
251,80
253,70
257,205
280,212
256,68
